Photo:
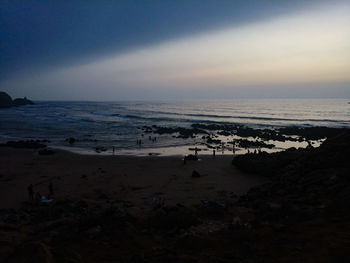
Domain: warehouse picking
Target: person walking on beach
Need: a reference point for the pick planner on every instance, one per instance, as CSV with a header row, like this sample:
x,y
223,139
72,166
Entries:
x,y
196,151
31,192
213,152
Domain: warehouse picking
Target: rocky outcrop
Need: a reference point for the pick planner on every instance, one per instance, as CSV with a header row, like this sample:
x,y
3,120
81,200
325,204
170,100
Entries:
x,y
7,102
20,102
304,183
25,144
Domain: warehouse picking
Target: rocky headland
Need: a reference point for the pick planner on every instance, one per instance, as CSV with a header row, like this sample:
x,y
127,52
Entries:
x,y
7,102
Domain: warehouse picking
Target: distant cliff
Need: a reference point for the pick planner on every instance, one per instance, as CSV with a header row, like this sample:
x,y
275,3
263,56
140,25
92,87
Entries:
x,y
7,102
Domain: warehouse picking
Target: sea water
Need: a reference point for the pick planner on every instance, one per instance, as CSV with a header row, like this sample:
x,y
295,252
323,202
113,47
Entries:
x,y
119,124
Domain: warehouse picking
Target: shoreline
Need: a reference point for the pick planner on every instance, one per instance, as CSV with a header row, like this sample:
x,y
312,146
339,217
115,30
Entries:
x,y
169,141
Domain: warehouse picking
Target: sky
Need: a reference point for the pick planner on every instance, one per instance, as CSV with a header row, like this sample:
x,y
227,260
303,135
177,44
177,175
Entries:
x,y
155,50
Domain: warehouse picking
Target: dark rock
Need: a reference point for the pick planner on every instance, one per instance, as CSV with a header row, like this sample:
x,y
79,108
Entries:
x,y
71,140
195,174
215,141
183,132
224,133
312,133
242,131
247,144
5,100
305,183
266,164
21,102
100,149
24,144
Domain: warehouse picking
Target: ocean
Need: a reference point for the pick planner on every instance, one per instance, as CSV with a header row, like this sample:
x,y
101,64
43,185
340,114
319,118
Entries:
x,y
105,125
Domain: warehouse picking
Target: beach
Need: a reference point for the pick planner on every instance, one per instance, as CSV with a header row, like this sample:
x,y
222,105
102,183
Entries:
x,y
105,178
258,207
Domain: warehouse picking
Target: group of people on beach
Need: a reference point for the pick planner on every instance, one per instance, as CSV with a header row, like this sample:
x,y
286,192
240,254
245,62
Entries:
x,y
154,139
255,151
150,138
223,149
37,196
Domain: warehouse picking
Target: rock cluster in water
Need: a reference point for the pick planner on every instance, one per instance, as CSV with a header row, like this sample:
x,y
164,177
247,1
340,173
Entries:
x,y
7,102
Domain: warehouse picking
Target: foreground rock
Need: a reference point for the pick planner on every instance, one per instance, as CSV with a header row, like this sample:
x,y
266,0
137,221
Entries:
x,y
306,183
7,102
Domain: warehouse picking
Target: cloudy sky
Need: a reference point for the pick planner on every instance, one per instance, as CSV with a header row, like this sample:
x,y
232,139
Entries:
x,y
134,50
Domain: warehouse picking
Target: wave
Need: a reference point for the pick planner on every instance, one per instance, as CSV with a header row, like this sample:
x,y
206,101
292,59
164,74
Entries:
x,y
214,116
103,114
264,118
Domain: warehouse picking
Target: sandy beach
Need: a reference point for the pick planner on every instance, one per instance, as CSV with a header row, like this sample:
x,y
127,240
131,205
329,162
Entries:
x,y
152,209
105,178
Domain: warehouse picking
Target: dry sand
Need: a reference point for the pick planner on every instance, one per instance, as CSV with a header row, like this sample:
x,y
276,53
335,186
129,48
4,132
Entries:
x,y
104,178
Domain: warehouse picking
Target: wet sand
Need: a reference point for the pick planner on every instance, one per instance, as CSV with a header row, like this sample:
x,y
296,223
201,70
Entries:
x,y
134,179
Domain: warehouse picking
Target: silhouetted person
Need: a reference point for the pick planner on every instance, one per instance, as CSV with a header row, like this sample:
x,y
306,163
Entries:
x,y
51,189
214,153
30,192
38,197
196,151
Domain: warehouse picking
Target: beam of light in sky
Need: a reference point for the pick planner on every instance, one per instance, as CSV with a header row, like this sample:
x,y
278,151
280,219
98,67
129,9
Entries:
x,y
309,47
